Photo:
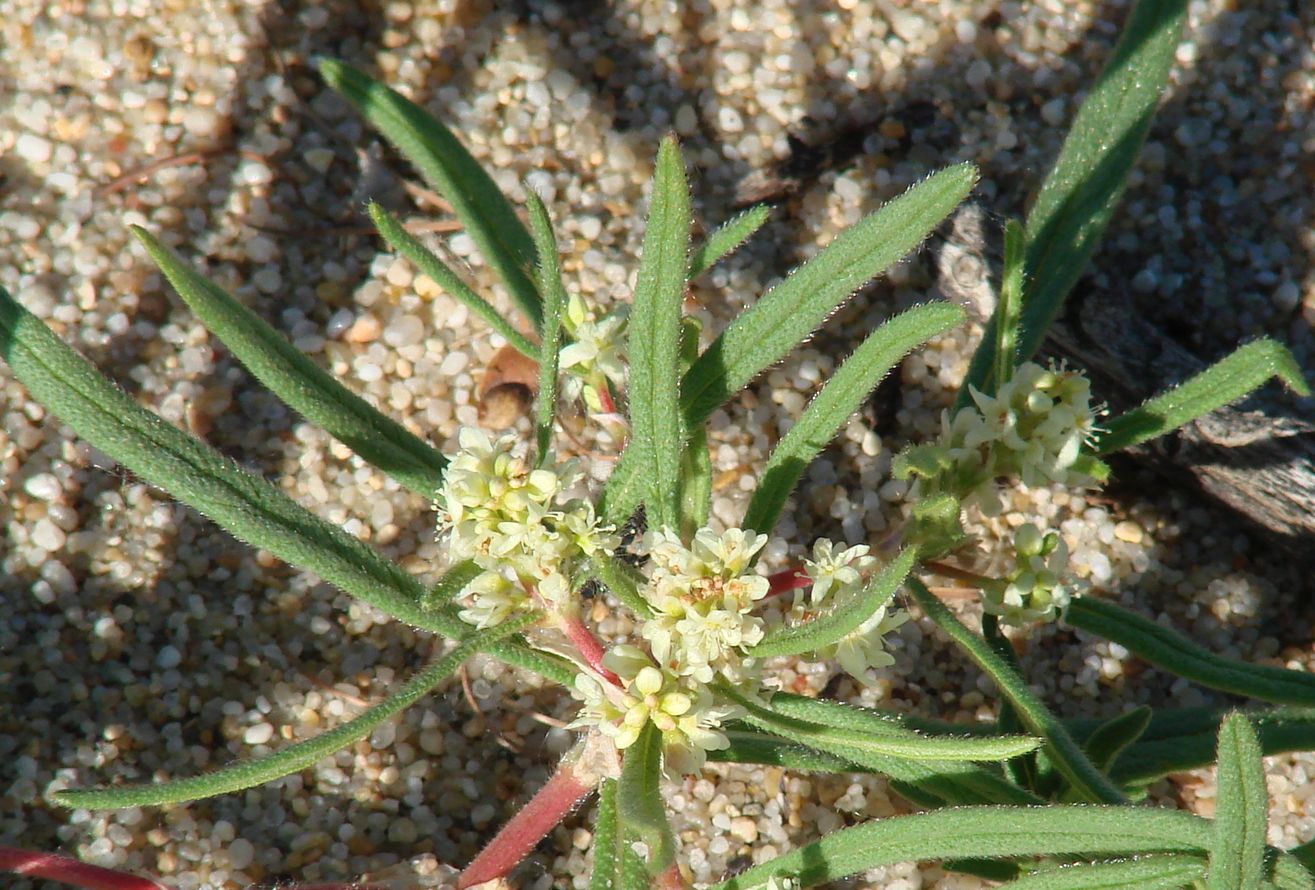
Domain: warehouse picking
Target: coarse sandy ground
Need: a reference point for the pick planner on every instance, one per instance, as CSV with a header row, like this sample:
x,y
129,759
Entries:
x,y
138,640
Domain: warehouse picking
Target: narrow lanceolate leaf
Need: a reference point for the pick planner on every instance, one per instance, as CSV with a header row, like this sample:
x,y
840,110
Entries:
x,y
727,238
1079,196
842,395
984,832
948,782
1226,381
1060,747
654,387
1177,654
622,581
1182,739
295,757
905,745
1156,872
554,298
449,587
616,864
1237,857
640,810
450,170
391,230
794,308
245,505
1007,311
843,619
1114,736
695,460
303,385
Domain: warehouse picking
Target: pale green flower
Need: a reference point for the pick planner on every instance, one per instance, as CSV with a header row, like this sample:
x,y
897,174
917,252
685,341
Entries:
x,y
1037,590
865,646
833,568
493,597
684,713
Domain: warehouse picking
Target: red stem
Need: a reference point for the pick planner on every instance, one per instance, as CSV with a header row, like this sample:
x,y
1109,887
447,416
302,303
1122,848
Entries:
x,y
31,864
605,400
671,879
590,649
518,837
784,582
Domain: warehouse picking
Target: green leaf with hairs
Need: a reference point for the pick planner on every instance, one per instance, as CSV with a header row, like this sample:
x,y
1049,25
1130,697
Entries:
x,y
1177,654
391,230
298,756
1163,871
248,507
1237,857
616,864
1227,380
554,299
1114,736
857,745
1060,747
623,581
793,309
729,236
654,387
449,587
1006,313
992,833
1078,198
302,385
843,618
837,401
448,167
640,809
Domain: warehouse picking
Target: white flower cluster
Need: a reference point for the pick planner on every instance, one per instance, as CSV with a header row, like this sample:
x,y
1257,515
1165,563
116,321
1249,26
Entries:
x,y
1037,589
1034,428
683,711
596,356
838,573
702,597
518,525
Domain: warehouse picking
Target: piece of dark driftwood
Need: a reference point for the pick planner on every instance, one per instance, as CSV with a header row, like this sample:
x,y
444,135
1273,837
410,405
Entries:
x,y
1256,457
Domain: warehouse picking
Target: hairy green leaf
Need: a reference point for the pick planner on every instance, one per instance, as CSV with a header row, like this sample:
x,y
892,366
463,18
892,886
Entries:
x,y
1226,381
1113,737
303,385
245,505
858,744
1007,312
443,161
640,809
391,230
986,832
843,619
793,309
449,587
1158,872
1176,653
616,864
1237,857
654,387
729,236
1078,198
1068,758
842,395
298,756
623,581
554,299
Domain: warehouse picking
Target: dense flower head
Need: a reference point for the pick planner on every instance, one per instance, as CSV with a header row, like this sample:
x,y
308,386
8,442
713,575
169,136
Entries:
x,y
683,711
1033,427
702,596
837,573
1037,589
516,522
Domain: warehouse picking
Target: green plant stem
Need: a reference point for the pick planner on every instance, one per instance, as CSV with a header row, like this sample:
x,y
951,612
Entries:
x,y
1066,754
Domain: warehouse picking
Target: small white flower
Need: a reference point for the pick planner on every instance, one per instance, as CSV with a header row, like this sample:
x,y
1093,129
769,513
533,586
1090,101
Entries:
x,y
865,646
833,569
493,598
